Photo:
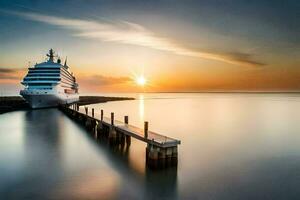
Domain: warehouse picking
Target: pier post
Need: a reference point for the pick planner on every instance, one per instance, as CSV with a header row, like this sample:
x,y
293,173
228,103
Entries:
x,y
94,126
127,137
146,129
169,152
162,157
112,116
88,123
152,155
122,135
174,155
86,110
112,136
74,113
93,112
100,125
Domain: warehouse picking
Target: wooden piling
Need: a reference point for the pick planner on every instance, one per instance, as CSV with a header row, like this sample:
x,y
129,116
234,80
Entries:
x,y
128,140
99,127
162,157
88,123
169,155
93,112
146,129
174,155
112,118
152,158
100,124
127,137
122,135
112,136
122,139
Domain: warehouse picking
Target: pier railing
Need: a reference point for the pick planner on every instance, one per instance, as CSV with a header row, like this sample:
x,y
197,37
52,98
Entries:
x,y
161,150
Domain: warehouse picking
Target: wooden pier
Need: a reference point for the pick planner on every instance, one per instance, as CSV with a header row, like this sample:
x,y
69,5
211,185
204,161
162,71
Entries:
x,y
161,151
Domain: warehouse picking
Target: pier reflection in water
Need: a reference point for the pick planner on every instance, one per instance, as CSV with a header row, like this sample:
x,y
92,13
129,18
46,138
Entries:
x,y
57,158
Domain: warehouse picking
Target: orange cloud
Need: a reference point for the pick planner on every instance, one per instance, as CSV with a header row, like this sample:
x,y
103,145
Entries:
x,y
104,80
11,75
98,83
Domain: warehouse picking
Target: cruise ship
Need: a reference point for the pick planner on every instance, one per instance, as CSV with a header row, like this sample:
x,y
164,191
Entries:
x,y
49,84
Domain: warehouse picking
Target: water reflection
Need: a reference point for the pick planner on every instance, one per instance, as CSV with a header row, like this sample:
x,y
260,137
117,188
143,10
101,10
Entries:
x,y
41,160
149,183
52,166
46,132
225,137
61,160
233,147
141,107
161,184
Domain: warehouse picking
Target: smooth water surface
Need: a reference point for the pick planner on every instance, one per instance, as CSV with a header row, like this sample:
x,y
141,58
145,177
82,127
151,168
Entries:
x,y
233,146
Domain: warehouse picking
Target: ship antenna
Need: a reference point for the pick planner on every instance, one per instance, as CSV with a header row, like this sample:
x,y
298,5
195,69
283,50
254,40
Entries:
x,y
51,55
65,65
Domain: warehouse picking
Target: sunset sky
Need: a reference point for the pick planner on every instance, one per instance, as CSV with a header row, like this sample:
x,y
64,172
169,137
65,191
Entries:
x,y
178,45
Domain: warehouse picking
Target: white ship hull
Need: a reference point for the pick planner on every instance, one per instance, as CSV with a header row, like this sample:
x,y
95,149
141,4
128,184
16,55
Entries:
x,y
49,100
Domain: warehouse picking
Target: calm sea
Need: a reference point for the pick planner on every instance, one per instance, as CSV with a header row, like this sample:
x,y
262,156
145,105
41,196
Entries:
x,y
233,146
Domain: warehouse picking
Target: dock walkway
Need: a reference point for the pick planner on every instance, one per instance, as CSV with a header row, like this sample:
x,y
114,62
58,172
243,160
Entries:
x,y
160,150
133,131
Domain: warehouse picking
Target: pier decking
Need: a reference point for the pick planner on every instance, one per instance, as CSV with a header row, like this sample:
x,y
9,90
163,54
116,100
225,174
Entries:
x,y
161,150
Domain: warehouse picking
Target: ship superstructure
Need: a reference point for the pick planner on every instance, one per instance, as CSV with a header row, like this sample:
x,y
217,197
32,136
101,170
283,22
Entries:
x,y
49,84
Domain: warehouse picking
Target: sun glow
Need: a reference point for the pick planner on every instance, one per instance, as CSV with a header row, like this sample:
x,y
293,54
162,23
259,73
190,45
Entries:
x,y
141,80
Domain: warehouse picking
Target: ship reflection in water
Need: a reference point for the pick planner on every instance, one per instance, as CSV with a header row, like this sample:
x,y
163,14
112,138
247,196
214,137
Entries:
x,y
234,146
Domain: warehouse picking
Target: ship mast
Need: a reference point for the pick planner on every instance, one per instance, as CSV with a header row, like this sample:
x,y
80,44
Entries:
x,y
51,55
65,65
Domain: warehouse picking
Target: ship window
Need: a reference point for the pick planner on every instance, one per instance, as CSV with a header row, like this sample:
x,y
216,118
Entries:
x,y
42,74
39,84
42,79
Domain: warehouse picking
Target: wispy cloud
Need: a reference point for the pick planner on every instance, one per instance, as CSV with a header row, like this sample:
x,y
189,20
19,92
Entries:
x,y
6,70
10,73
104,80
135,34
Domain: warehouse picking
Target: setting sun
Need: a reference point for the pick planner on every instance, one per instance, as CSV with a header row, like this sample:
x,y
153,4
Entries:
x,y
141,80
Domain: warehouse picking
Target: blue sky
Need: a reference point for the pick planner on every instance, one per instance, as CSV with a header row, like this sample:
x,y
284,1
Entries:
x,y
217,39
